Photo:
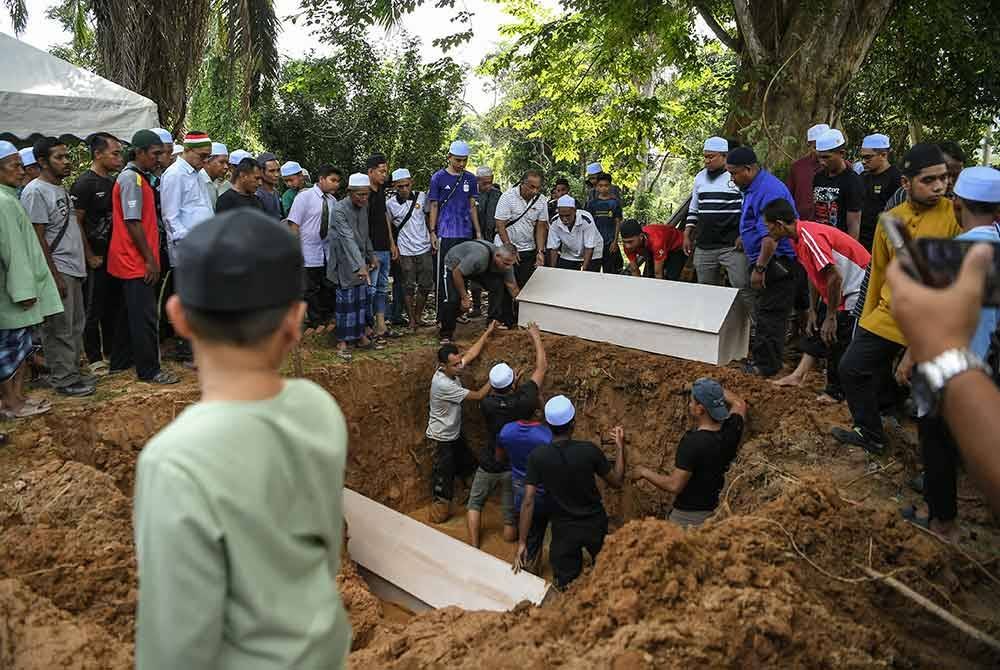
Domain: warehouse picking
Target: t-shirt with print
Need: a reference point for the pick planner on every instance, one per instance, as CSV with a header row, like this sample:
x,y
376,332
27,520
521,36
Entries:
x,y
92,193
707,454
566,470
518,439
378,232
444,422
233,199
605,212
49,205
133,199
412,237
878,189
835,196
455,217
499,410
474,258
819,246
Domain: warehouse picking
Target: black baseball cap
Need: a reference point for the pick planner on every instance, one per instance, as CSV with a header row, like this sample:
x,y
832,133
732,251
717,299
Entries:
x,y
240,261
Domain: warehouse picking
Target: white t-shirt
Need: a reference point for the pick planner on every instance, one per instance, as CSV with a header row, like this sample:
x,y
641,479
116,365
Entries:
x,y
413,238
445,421
510,207
572,243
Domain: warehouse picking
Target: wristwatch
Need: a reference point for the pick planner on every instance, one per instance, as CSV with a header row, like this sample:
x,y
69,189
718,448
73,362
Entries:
x,y
760,268
931,378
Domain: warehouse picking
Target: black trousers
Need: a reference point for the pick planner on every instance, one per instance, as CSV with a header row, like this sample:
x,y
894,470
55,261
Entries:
x,y
774,305
451,459
522,273
451,297
136,340
940,456
102,295
863,370
319,297
563,264
817,348
445,244
569,539
611,261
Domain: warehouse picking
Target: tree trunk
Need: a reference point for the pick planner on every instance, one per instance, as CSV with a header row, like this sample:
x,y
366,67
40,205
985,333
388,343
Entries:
x,y
797,61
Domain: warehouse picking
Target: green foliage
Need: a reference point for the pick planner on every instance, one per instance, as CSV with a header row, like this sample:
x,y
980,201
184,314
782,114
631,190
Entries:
x,y
342,108
75,17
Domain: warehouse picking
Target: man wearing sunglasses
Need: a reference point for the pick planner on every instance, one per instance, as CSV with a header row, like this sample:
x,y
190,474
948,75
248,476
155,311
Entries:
x,y
880,179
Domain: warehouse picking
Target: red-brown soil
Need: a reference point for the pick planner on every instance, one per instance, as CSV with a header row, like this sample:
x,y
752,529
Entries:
x,y
736,593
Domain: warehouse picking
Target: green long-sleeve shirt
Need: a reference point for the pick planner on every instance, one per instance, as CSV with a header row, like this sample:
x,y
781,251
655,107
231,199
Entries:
x,y
238,526
24,274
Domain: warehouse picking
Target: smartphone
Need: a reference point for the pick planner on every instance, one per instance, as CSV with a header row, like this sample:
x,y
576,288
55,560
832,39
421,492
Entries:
x,y
943,259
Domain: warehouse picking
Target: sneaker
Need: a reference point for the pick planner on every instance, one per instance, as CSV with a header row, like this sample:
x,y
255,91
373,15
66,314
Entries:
x,y
77,390
855,438
164,378
88,380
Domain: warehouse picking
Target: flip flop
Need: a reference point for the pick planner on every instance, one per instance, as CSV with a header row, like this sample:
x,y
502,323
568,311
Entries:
x,y
26,411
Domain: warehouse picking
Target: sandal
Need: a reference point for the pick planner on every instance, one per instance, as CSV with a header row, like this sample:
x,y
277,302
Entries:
x,y
379,343
164,378
344,355
25,411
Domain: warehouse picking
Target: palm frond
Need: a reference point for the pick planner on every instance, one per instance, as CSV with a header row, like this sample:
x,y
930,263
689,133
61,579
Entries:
x,y
18,11
251,38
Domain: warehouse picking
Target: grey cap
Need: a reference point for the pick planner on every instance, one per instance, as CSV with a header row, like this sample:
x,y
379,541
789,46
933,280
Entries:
x,y
709,394
484,171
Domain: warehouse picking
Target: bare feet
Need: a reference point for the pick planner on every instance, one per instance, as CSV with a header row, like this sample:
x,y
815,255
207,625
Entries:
x,y
826,399
790,380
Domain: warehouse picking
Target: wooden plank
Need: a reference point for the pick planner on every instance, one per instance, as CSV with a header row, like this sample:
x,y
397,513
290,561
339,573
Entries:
x,y
431,566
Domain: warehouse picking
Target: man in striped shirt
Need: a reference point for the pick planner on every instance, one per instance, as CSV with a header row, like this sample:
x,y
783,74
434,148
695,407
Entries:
x,y
835,264
712,232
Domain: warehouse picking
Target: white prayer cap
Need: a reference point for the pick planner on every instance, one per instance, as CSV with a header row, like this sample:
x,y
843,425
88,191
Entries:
x,y
7,149
566,201
290,168
594,168
28,157
164,135
980,183
719,144
401,173
830,140
813,133
876,141
178,149
238,156
501,376
483,171
559,411
459,148
358,180
859,167
219,149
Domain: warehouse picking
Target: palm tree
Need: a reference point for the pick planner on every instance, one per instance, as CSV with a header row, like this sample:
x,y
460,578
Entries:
x,y
18,11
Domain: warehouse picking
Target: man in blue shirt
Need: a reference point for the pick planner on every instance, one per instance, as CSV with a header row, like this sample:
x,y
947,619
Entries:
x,y
453,214
773,264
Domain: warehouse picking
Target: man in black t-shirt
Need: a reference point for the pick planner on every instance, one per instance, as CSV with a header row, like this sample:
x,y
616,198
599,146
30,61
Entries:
x,y
880,180
380,233
837,188
246,181
703,455
91,195
506,402
566,469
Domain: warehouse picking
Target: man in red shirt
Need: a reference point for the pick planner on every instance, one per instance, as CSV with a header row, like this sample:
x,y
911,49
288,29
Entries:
x,y
660,247
835,264
802,171
134,258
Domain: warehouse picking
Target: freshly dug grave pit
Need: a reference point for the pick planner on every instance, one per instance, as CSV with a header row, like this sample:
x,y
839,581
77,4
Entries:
x,y
736,593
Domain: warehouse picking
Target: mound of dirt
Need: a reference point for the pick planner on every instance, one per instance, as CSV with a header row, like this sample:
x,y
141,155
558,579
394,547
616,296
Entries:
x,y
364,609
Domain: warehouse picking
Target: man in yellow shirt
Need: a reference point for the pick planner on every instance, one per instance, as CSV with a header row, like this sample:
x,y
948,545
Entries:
x,y
877,339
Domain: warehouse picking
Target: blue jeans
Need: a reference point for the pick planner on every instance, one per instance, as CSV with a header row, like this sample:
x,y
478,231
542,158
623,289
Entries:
x,y
378,289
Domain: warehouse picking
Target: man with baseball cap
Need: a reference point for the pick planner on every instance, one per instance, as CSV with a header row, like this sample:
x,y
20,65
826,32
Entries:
x,y
879,181
507,401
295,181
837,189
704,453
454,217
574,242
802,171
239,288
213,171
566,470
134,259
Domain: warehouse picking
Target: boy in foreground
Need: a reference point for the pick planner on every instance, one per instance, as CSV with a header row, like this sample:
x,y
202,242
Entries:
x,y
238,520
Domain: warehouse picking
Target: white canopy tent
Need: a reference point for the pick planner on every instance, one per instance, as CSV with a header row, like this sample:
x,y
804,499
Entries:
x,y
44,95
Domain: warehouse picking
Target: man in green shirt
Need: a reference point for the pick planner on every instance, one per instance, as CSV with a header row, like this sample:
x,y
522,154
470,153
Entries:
x,y
28,292
295,181
238,502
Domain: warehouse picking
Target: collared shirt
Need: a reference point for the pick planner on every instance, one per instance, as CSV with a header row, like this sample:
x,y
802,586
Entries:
x,y
762,191
24,272
271,202
307,214
573,243
413,239
939,221
184,202
528,214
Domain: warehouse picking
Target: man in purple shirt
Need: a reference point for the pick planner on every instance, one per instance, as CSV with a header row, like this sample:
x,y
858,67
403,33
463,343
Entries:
x,y
453,215
800,175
